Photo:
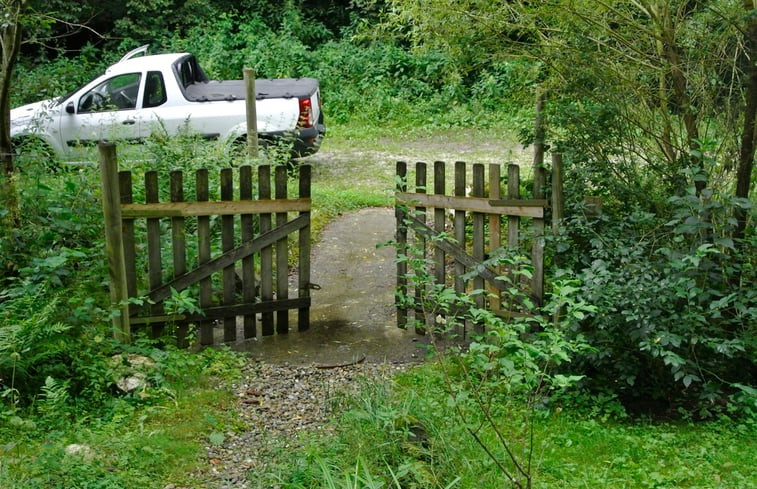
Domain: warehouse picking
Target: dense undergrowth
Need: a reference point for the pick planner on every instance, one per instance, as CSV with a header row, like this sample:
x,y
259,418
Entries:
x,y
669,330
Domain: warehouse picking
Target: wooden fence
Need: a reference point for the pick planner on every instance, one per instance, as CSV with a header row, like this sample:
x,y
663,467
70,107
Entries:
x,y
483,223
231,254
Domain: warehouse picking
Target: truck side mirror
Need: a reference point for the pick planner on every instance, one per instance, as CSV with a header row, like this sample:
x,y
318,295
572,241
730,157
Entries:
x,y
70,108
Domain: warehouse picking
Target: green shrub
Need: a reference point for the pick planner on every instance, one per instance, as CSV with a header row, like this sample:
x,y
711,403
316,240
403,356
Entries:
x,y
36,80
674,330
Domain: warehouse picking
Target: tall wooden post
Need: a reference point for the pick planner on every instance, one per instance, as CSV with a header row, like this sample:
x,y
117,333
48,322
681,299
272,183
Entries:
x,y
252,113
303,314
558,199
537,249
114,248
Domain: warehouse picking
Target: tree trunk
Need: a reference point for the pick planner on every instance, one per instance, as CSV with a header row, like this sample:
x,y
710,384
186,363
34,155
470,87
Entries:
x,y
10,39
539,130
666,143
666,25
749,132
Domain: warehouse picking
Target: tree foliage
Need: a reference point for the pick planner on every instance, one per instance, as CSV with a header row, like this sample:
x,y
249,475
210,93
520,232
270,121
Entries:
x,y
632,84
41,23
653,104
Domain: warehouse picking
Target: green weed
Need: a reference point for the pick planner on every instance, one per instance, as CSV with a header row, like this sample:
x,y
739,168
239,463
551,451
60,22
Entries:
x,y
373,445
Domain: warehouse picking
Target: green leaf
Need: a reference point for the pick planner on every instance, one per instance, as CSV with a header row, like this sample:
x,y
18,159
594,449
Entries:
x,y
688,379
217,438
726,243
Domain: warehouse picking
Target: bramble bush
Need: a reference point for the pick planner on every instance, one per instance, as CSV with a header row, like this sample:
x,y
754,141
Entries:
x,y
55,336
528,356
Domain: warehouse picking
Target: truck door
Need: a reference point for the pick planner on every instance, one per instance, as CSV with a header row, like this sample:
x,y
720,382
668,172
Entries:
x,y
107,111
157,114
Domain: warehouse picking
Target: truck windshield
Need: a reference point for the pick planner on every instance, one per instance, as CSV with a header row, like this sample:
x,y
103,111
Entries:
x,y
65,97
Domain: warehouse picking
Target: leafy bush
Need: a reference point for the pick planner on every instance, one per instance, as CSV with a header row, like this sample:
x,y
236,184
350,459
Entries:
x,y
36,80
524,353
674,330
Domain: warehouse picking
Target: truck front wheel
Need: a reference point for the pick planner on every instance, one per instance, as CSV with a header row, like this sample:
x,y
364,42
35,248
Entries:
x,y
31,153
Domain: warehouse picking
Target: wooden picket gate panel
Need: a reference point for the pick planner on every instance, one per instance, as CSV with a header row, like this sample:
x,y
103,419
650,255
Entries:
x,y
231,253
422,216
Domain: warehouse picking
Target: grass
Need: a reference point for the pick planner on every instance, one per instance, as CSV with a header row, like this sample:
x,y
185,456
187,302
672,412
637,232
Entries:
x,y
356,166
373,447
150,446
130,442
591,453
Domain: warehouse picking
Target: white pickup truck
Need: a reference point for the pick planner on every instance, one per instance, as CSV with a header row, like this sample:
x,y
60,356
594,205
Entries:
x,y
142,94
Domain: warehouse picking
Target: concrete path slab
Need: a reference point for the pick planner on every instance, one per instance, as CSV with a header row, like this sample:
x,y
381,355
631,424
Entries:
x,y
352,314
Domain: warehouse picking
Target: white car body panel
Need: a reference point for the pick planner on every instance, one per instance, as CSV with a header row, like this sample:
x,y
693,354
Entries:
x,y
63,124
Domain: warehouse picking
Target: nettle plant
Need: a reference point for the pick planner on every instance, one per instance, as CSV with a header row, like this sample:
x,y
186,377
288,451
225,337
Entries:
x,y
506,374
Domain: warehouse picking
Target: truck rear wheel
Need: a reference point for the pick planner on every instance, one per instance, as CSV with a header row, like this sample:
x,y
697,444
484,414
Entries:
x,y
274,151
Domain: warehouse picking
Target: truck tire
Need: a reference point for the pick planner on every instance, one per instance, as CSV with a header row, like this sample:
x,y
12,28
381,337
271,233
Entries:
x,y
32,152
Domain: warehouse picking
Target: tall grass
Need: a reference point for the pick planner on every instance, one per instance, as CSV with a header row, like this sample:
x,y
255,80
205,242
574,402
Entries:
x,y
374,446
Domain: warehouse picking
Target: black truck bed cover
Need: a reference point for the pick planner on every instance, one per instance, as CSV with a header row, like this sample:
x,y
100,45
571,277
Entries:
x,y
264,89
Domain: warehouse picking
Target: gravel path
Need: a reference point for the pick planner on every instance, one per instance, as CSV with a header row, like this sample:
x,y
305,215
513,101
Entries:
x,y
274,404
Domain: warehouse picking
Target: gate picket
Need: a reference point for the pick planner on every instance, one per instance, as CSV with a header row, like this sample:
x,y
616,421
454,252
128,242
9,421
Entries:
x,y
202,190
468,251
178,239
248,263
266,254
282,258
303,289
228,277
154,259
248,241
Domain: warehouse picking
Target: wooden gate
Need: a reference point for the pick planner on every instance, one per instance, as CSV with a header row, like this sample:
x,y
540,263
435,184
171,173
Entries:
x,y
476,214
230,255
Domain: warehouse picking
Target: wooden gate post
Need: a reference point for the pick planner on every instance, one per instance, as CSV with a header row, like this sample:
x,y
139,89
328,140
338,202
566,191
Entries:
x,y
252,112
114,248
558,199
537,250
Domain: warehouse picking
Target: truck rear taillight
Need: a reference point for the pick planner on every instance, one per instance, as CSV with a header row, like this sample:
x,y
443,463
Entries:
x,y
306,113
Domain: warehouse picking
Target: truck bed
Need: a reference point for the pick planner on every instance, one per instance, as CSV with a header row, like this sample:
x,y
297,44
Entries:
x,y
229,90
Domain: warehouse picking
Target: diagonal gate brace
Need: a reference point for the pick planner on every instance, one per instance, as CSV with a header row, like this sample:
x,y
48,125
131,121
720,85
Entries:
x,y
228,258
457,253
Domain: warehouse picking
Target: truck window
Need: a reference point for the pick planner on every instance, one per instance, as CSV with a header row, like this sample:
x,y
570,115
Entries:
x,y
155,90
188,71
117,93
